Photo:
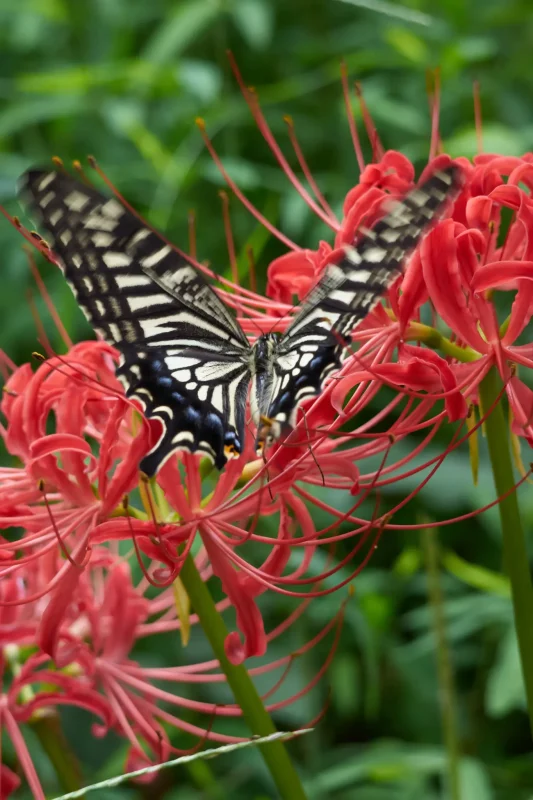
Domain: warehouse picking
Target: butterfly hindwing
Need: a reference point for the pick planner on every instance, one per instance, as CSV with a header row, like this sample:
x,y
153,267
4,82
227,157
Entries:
x,y
316,342
182,353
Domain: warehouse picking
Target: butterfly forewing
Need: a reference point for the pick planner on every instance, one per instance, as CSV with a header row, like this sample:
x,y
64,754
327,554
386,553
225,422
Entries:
x,y
183,355
315,343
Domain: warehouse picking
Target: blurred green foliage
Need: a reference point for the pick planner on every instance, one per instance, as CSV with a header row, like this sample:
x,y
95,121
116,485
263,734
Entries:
x,y
124,80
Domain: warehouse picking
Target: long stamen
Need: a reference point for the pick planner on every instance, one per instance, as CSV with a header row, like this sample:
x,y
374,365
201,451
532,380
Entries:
x,y
351,119
250,96
375,143
237,192
434,106
307,172
478,116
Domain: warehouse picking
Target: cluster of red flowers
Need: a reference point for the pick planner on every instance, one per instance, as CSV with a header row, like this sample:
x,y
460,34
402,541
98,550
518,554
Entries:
x,y
70,611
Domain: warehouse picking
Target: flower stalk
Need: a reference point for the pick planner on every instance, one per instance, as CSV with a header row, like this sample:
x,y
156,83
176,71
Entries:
x,y
275,753
515,556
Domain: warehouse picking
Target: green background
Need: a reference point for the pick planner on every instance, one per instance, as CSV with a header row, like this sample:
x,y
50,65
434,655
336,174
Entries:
x,y
124,81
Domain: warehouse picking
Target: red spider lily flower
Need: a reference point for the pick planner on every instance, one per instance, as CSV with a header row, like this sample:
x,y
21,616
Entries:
x,y
94,668
21,696
343,440
75,478
67,593
62,489
468,257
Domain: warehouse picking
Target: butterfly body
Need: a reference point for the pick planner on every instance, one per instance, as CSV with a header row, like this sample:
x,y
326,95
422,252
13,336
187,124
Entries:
x,y
182,354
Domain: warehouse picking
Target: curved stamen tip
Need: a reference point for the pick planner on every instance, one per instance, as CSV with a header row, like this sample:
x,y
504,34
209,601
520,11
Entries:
x,y
58,162
38,356
288,120
76,164
92,162
200,122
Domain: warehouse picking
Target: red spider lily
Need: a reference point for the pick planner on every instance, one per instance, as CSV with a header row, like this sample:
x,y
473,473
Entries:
x,y
20,705
78,499
469,257
69,490
66,591
93,668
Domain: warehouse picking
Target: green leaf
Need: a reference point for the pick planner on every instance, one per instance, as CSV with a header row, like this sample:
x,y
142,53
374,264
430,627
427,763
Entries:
x,y
476,575
182,27
497,138
474,781
255,20
409,45
17,117
393,10
505,686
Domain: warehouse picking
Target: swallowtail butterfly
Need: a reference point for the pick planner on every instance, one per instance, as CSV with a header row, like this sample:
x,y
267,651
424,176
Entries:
x,y
183,355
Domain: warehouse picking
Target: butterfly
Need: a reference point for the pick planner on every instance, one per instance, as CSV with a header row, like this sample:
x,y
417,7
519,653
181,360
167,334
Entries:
x,y
183,355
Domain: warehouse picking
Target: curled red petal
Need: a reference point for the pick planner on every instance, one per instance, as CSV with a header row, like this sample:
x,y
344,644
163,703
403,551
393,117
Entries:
x,y
438,253
49,630
249,619
56,442
502,274
422,369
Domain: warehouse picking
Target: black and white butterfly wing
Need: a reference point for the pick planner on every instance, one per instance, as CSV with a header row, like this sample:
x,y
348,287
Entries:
x,y
182,354
315,343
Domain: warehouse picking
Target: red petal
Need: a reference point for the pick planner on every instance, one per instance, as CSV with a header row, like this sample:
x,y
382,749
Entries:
x,y
500,274
438,253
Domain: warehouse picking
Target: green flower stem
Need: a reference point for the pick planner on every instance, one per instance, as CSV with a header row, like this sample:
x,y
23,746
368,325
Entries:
x,y
445,675
434,339
275,753
515,555
48,730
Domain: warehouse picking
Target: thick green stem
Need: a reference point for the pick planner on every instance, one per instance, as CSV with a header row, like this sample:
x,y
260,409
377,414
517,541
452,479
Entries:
x,y
275,753
515,555
444,663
